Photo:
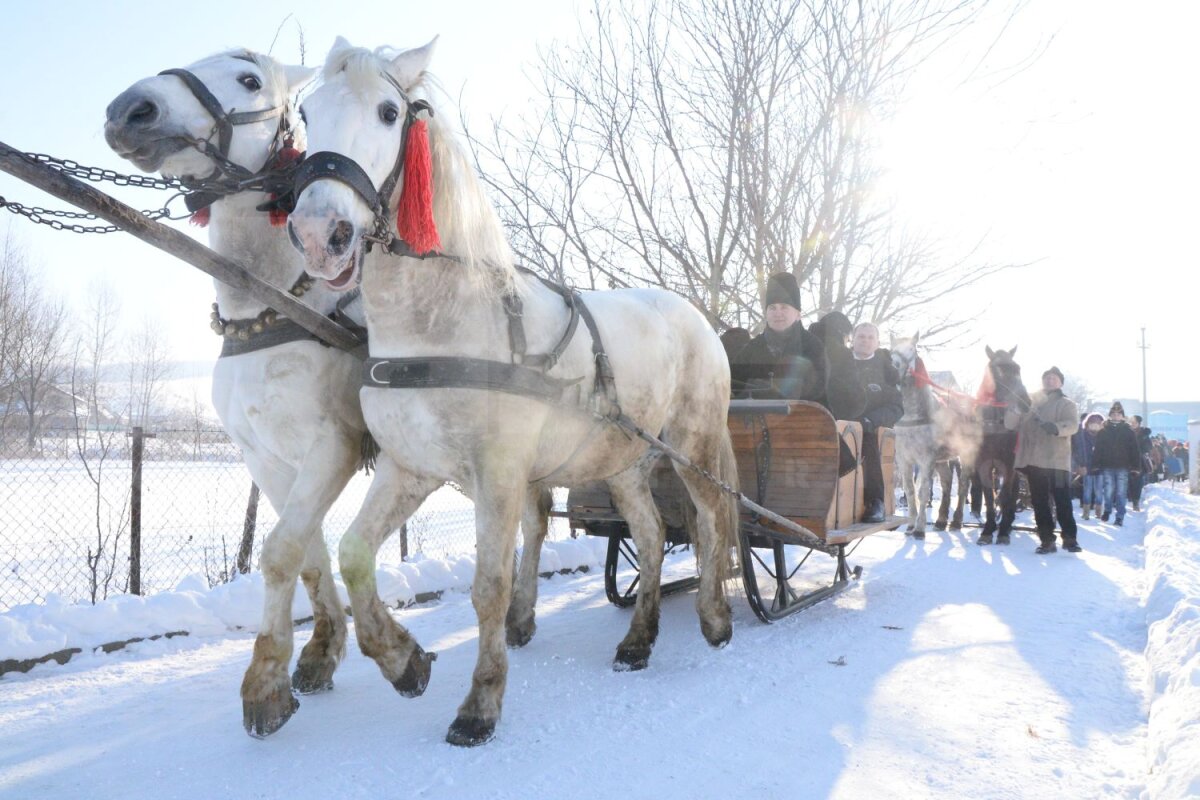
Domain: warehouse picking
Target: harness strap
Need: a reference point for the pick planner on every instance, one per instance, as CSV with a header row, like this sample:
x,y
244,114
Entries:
x,y
452,372
284,331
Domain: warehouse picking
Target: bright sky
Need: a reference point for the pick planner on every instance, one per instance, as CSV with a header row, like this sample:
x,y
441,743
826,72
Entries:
x,y
1085,162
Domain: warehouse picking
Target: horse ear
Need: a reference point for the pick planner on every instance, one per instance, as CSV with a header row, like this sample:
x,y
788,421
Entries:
x,y
991,354
916,336
297,76
1012,352
411,64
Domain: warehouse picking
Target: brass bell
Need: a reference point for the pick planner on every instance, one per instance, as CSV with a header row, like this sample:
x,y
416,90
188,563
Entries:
x,y
244,335
218,327
257,327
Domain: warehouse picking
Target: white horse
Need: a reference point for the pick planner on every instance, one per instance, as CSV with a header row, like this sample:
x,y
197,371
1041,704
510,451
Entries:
x,y
292,407
439,323
917,434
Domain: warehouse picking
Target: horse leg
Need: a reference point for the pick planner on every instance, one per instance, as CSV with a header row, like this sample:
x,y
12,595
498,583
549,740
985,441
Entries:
x,y
987,475
394,495
924,489
267,701
631,494
500,494
914,506
957,521
945,477
715,530
1008,503
327,647
535,517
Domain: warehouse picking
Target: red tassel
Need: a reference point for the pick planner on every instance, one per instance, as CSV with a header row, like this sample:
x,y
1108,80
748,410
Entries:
x,y
200,218
414,212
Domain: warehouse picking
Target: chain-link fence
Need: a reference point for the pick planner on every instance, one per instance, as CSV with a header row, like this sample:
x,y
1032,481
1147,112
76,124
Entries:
x,y
67,515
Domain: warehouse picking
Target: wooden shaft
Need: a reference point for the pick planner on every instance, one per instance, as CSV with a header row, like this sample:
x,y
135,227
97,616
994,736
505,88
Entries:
x,y
229,272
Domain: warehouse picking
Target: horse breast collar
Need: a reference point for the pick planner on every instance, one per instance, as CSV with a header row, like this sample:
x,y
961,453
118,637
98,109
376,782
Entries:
x,y
517,377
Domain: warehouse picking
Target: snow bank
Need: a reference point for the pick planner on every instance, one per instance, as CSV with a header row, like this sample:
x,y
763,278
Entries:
x,y
36,631
1173,643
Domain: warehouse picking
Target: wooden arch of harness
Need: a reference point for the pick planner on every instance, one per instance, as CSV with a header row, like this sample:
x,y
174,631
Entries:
x,y
525,375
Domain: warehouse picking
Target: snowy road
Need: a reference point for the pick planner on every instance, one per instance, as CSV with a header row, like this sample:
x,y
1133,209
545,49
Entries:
x,y
968,672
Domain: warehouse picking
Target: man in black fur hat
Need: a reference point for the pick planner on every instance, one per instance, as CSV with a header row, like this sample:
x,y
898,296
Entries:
x,y
784,361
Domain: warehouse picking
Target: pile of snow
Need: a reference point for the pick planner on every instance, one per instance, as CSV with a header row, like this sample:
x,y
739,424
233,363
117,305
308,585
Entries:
x,y
1173,643
35,631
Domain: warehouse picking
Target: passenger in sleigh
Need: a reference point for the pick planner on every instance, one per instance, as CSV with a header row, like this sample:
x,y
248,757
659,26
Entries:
x,y
784,361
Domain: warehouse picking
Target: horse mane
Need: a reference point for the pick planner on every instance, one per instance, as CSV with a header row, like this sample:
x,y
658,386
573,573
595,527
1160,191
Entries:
x,y
466,220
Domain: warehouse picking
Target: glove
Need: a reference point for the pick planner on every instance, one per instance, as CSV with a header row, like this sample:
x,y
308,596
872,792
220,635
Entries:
x,y
1049,428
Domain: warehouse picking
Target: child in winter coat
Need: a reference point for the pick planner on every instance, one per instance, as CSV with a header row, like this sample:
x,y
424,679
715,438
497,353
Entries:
x,y
1083,444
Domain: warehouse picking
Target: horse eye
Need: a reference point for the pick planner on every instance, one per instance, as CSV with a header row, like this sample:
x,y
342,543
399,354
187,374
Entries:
x,y
389,113
251,82
303,118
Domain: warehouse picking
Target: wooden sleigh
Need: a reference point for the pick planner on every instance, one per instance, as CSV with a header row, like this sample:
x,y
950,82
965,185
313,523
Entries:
x,y
787,457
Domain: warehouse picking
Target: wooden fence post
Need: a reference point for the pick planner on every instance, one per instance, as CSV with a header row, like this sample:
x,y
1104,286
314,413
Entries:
x,y
139,437
247,545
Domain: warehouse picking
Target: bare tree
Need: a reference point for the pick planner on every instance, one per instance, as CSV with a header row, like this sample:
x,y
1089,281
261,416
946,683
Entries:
x,y
147,369
95,440
701,145
32,342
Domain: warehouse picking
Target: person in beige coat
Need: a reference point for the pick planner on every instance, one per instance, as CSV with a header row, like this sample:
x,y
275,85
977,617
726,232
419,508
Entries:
x,y
1044,454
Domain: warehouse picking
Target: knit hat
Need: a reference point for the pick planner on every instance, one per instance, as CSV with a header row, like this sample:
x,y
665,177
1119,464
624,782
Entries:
x,y
1117,407
1055,371
782,288
1093,416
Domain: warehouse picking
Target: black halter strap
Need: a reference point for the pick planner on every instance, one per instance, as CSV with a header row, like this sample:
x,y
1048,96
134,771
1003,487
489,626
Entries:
x,y
222,119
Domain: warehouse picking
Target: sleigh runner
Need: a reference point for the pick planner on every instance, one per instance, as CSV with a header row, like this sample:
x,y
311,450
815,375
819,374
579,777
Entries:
x,y
787,460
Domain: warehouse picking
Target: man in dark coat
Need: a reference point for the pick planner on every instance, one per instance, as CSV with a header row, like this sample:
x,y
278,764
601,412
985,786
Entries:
x,y
844,394
1139,479
784,361
882,407
1115,456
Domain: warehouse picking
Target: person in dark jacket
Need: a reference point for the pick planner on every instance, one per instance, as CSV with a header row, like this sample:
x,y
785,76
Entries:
x,y
1083,444
785,360
1137,480
883,406
1115,456
844,394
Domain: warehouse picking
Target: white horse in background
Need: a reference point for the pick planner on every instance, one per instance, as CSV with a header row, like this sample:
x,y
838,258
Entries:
x,y
917,434
292,408
503,447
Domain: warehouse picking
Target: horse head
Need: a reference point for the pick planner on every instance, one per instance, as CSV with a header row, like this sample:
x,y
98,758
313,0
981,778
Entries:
x,y
904,357
1006,377
357,122
232,107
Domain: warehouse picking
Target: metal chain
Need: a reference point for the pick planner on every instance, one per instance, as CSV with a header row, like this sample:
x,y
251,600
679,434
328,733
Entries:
x,y
270,181
53,218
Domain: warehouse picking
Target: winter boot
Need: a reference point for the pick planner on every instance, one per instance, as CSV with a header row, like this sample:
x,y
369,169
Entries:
x,y
1087,512
1104,516
1119,522
1137,506
874,511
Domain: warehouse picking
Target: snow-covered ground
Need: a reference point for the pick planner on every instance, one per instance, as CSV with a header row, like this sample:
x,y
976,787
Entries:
x,y
948,671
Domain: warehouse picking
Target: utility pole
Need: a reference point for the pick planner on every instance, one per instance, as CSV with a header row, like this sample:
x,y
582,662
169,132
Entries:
x,y
1145,409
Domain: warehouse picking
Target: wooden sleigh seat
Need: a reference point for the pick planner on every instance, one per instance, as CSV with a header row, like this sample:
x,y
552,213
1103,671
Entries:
x,y
787,454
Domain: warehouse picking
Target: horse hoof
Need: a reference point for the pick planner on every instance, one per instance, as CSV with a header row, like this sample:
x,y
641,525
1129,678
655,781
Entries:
x,y
471,732
984,540
261,719
956,526
631,659
314,677
1003,539
520,634
939,526
716,635
415,678
919,535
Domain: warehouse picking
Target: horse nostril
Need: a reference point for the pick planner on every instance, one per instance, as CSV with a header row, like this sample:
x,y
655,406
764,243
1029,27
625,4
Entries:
x,y
296,243
339,240
142,113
